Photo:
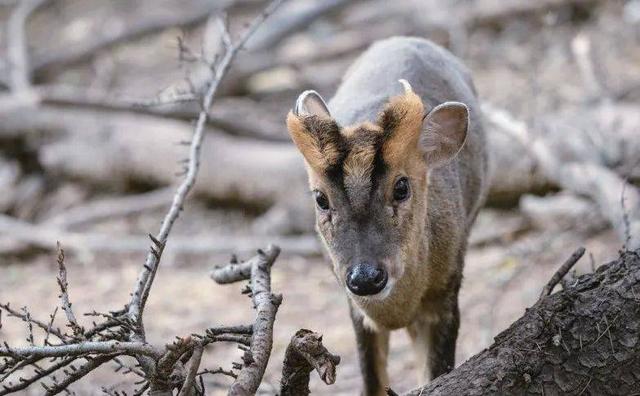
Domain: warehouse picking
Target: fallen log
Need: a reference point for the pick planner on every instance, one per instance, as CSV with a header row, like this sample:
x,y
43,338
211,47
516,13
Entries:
x,y
562,212
129,146
229,114
431,20
109,208
584,340
55,58
13,232
576,162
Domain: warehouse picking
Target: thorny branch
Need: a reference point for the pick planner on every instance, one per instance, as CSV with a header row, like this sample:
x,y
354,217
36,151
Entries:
x,y
266,305
80,349
147,274
122,332
109,339
47,327
64,293
77,374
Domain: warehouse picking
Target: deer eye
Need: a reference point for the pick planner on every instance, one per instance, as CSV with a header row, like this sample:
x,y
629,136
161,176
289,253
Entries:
x,y
321,200
401,190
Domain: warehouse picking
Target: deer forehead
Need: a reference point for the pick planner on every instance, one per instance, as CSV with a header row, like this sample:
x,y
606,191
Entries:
x,y
359,166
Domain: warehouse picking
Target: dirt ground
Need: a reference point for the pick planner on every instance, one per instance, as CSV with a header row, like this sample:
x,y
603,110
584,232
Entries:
x,y
501,280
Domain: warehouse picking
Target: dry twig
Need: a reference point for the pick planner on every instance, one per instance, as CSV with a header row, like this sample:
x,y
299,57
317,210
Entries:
x,y
64,293
146,276
561,272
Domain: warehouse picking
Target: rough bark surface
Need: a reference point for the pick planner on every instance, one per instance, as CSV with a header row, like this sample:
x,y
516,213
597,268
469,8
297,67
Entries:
x,y
584,340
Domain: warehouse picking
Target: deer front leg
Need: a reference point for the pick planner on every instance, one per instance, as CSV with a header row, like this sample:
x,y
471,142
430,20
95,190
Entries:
x,y
434,334
373,348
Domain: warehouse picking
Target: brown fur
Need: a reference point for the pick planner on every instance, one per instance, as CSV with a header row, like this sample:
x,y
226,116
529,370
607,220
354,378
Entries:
x,y
317,138
402,121
395,134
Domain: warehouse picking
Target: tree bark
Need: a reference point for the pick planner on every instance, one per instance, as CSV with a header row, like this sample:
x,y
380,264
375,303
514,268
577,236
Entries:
x,y
584,340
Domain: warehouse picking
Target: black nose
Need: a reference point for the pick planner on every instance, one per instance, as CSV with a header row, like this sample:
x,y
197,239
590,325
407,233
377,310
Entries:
x,y
365,279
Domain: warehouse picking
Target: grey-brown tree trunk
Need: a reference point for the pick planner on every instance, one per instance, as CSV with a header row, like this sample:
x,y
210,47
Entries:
x,y
584,340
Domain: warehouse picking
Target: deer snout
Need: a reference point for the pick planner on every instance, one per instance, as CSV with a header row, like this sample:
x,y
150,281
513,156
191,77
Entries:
x,y
366,279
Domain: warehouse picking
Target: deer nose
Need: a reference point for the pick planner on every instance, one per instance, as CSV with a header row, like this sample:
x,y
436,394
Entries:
x,y
365,279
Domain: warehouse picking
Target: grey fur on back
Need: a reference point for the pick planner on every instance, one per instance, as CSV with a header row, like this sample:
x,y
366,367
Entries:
x,y
436,76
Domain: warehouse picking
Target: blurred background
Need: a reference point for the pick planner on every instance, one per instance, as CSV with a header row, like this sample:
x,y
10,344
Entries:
x,y
92,144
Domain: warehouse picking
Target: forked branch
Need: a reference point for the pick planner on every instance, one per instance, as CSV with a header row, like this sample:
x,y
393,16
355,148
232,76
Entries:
x,y
266,304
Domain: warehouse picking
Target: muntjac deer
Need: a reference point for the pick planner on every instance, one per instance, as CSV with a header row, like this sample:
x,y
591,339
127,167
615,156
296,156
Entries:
x,y
397,164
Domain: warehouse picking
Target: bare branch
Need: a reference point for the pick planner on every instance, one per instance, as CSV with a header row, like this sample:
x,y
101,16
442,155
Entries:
x,y
233,272
82,348
40,374
46,327
192,371
242,329
237,338
122,333
561,272
304,354
147,274
266,304
75,375
219,370
52,318
238,334
64,293
174,352
27,317
17,54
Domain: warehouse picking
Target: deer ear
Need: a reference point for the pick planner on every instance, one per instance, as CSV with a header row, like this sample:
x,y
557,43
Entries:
x,y
311,103
314,132
444,133
401,119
